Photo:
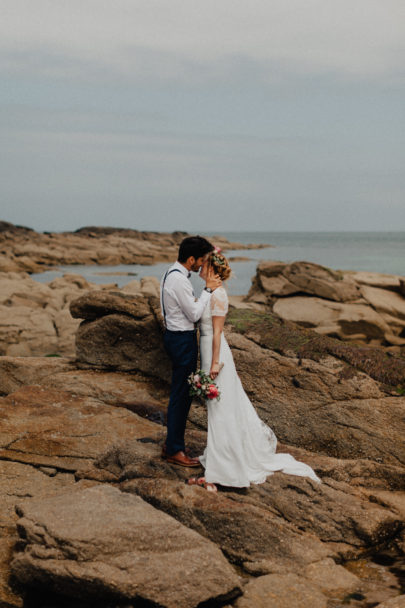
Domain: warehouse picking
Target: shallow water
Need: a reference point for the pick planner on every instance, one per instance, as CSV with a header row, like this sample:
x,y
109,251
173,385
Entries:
x,y
371,251
382,577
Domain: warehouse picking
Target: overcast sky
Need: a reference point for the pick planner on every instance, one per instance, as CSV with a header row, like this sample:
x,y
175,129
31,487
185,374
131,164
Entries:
x,y
203,115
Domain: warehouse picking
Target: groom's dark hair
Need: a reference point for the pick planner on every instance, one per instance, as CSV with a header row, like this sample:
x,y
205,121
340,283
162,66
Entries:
x,y
195,246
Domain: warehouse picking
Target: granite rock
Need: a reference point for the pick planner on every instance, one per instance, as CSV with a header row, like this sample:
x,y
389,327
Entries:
x,y
281,591
357,306
101,543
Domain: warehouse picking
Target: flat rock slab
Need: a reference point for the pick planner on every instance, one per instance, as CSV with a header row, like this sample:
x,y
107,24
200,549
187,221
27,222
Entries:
x,y
94,305
245,532
281,591
21,371
137,393
55,428
286,519
332,578
102,543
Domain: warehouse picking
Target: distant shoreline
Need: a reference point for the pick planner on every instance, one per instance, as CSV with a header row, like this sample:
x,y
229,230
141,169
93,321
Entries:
x,y
25,250
120,250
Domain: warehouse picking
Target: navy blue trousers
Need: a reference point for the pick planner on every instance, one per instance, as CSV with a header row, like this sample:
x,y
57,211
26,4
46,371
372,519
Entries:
x,y
182,349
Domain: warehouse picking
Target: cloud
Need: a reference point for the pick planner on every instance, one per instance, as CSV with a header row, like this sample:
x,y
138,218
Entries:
x,y
153,113
63,170
181,38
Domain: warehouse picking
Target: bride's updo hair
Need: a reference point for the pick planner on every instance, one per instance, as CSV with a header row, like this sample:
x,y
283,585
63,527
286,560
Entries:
x,y
219,264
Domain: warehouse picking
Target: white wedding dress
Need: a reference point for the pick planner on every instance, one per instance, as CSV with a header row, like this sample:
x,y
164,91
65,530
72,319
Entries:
x,y
241,448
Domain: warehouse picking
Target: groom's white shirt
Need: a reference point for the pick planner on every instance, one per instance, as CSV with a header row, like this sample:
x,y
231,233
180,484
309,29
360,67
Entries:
x,y
181,307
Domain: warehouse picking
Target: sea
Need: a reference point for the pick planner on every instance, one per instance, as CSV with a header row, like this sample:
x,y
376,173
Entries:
x,y
382,252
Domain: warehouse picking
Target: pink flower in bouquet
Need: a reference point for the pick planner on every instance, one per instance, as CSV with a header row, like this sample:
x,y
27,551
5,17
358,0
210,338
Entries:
x,y
212,391
197,378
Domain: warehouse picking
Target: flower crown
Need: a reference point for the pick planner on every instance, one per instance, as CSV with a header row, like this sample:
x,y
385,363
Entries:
x,y
219,261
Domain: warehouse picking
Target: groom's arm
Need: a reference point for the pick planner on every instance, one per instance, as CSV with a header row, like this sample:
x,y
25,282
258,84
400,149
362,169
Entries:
x,y
182,291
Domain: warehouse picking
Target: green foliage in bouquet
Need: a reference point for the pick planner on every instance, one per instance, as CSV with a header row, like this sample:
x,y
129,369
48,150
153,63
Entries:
x,y
202,386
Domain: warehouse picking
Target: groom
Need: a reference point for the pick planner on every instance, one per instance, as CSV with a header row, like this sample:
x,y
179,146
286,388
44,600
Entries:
x,y
180,312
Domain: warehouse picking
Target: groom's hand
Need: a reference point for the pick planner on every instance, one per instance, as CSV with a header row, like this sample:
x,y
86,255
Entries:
x,y
212,281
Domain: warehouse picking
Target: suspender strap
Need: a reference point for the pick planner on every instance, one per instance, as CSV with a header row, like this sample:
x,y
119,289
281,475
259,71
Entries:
x,y
163,292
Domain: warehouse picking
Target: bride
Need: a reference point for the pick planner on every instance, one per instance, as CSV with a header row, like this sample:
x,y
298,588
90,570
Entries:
x,y
241,448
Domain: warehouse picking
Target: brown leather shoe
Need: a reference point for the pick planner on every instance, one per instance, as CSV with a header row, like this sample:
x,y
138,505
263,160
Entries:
x,y
182,460
187,451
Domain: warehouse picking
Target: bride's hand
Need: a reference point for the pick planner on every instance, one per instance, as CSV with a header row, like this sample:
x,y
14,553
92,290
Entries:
x,y
214,371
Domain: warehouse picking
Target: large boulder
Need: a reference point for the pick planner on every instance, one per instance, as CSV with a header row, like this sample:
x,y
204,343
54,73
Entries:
x,y
320,281
391,282
122,332
25,332
275,525
280,279
385,301
366,307
92,306
347,321
99,543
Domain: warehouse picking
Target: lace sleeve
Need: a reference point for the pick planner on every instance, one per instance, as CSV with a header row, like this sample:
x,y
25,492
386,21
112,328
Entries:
x,y
219,303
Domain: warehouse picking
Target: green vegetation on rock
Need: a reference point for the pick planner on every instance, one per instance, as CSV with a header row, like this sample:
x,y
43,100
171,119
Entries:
x,y
269,331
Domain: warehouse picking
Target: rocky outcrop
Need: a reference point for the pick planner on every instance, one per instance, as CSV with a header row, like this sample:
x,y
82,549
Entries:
x,y
121,332
286,524
52,425
70,430
13,228
356,306
35,319
348,419
22,249
100,543
97,424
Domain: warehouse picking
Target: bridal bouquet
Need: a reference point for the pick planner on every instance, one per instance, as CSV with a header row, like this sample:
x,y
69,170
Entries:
x,y
201,385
